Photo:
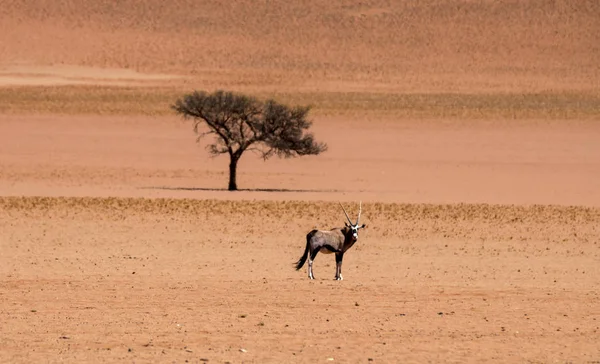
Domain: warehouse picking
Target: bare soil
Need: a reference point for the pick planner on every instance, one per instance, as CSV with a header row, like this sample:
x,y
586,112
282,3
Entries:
x,y
469,130
113,279
373,160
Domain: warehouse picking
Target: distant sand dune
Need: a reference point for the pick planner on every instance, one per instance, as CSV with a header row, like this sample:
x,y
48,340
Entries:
x,y
450,46
58,75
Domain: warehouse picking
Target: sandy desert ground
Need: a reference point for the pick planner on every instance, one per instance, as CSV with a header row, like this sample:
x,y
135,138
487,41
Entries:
x,y
470,130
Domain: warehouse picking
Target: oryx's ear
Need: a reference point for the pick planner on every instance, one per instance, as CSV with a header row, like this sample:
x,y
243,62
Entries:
x,y
345,223
363,226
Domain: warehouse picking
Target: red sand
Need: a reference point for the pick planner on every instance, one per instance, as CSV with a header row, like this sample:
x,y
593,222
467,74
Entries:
x,y
94,269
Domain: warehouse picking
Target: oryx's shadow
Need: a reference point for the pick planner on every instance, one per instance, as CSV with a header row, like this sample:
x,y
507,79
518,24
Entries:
x,y
167,188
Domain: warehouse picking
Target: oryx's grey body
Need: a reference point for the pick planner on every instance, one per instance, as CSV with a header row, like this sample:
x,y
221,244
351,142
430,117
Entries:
x,y
336,241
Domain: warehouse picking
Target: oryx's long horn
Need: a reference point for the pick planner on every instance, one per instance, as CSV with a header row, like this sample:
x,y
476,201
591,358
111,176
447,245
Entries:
x,y
347,217
359,211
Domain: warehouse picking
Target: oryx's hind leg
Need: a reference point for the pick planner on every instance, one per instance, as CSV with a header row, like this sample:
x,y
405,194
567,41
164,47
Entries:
x,y
338,266
312,256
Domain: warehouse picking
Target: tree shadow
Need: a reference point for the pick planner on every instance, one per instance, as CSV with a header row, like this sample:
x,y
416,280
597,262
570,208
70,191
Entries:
x,y
166,188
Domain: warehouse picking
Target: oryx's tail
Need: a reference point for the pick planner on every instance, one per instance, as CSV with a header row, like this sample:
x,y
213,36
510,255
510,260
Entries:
x,y
302,259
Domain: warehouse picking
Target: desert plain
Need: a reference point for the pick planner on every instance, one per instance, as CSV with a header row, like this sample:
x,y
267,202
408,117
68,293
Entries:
x,y
470,131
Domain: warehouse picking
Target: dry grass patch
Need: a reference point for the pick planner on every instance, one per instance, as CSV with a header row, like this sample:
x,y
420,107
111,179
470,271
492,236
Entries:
x,y
156,101
562,105
95,100
411,221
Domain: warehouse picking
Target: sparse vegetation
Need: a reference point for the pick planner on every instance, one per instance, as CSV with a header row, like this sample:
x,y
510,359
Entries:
x,y
386,220
94,100
103,100
240,123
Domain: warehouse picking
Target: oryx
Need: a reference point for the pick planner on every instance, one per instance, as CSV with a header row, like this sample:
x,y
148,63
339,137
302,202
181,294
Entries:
x,y
336,240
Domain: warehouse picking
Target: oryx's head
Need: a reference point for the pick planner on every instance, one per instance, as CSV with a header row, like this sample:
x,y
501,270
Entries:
x,y
354,227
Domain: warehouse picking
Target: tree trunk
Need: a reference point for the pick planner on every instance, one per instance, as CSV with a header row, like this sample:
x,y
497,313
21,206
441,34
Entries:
x,y
232,174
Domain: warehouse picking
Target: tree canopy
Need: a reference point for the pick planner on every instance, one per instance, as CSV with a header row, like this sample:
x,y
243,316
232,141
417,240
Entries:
x,y
239,123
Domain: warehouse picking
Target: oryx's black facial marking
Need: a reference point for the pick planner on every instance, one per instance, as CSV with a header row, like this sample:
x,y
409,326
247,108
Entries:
x,y
336,241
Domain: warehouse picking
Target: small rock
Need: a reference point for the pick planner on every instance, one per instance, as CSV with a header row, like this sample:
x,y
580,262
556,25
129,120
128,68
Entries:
x,y
243,350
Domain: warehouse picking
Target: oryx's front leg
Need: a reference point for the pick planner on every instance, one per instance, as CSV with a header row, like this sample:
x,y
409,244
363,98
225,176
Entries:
x,y
338,266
